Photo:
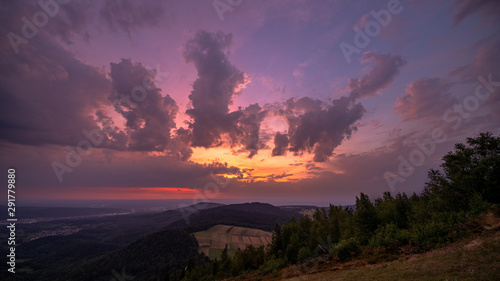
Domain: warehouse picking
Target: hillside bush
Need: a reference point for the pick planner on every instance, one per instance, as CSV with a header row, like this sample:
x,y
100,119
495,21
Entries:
x,y
271,266
346,249
390,235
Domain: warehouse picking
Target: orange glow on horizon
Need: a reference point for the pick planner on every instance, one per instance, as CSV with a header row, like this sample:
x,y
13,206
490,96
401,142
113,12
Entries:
x,y
125,193
262,167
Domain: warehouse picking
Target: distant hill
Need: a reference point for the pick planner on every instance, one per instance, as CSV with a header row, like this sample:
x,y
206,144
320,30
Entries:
x,y
253,215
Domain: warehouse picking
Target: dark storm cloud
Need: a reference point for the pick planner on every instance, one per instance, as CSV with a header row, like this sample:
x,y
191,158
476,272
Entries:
x,y
222,168
280,144
63,20
249,124
149,116
303,105
48,96
213,92
179,147
127,15
57,97
426,98
71,20
312,166
114,137
465,8
387,68
318,129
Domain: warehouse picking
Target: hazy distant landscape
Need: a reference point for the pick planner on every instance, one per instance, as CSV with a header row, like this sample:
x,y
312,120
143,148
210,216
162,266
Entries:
x,y
46,243
220,140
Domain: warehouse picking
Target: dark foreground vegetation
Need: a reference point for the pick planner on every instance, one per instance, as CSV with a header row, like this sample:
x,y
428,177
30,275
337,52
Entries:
x,y
467,185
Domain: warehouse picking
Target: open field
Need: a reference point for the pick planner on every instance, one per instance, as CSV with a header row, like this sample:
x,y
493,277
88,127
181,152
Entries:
x,y
213,240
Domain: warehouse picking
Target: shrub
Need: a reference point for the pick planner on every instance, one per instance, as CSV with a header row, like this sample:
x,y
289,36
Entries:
x,y
304,253
271,266
346,249
390,235
477,205
431,233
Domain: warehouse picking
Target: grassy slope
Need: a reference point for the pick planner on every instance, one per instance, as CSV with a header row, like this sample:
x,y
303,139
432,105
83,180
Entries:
x,y
475,258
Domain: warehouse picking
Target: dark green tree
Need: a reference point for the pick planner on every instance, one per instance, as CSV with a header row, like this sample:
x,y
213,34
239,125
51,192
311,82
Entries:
x,y
277,242
395,210
225,262
289,229
292,249
224,256
320,225
403,210
471,169
305,228
365,218
334,220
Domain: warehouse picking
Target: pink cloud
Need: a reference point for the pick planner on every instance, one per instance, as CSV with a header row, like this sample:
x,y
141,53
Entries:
x,y
465,8
425,98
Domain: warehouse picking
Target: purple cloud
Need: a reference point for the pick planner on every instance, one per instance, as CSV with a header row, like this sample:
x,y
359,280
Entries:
x,y
465,8
387,68
317,127
425,98
149,116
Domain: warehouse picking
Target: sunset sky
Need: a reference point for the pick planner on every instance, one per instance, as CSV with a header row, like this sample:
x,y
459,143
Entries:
x,y
291,100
